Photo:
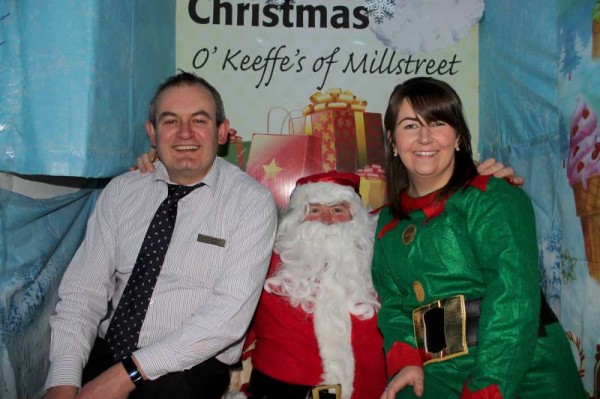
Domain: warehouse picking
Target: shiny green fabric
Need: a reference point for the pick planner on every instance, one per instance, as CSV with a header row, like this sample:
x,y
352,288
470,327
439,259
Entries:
x,y
482,245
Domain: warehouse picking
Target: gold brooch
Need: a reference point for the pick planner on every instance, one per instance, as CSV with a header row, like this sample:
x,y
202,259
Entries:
x,y
409,234
419,291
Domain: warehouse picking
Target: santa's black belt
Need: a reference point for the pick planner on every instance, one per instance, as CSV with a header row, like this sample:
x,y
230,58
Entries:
x,y
263,386
446,328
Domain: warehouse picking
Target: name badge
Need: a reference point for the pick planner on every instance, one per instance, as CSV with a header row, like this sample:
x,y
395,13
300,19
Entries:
x,y
220,242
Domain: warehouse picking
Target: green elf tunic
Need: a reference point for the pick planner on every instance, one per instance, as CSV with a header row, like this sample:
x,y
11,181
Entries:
x,y
480,243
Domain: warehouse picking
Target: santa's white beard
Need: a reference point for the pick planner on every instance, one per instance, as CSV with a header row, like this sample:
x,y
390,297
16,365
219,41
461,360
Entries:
x,y
337,257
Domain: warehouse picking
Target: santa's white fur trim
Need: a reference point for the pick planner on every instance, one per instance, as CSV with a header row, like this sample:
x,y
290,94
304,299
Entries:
x,y
324,193
333,329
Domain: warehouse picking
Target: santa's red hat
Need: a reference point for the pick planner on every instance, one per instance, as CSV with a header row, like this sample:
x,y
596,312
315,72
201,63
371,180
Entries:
x,y
327,188
335,177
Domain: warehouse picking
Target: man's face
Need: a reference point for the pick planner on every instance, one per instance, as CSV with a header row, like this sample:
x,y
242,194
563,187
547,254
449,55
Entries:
x,y
186,135
329,214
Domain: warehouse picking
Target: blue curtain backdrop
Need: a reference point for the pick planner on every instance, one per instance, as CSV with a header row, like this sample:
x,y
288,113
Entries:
x,y
524,122
39,238
75,80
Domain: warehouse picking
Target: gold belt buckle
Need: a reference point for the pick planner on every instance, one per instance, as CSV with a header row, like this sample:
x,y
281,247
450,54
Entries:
x,y
452,315
337,388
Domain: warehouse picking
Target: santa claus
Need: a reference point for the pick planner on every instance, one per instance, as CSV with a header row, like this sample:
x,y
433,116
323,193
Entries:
x,y
315,329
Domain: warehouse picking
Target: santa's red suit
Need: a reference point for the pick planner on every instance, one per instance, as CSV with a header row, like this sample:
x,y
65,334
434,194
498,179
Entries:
x,y
287,348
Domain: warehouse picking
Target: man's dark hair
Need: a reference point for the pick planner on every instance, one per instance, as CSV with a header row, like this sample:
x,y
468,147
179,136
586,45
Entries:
x,y
187,79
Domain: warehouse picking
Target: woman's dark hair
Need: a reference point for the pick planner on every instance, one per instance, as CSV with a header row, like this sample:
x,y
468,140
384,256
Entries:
x,y
433,100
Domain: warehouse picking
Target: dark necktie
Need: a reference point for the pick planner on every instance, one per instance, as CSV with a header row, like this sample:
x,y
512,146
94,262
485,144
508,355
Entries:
x,y
124,329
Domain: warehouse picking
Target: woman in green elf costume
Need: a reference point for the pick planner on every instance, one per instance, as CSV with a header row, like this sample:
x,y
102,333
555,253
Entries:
x,y
456,267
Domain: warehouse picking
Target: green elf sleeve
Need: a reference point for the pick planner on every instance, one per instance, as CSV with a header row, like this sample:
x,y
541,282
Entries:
x,y
501,226
394,322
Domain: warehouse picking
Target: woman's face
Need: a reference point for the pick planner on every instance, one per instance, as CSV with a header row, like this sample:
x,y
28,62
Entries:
x,y
425,148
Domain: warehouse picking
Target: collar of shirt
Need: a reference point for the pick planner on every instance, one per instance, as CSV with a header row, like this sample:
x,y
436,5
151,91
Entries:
x,y
211,180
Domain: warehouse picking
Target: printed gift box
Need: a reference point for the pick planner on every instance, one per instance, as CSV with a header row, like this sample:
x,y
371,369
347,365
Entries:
x,y
375,140
236,150
336,128
373,188
352,138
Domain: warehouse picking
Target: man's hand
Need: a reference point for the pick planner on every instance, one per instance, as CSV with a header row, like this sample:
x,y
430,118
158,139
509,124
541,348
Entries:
x,y
114,383
491,167
144,162
409,375
61,392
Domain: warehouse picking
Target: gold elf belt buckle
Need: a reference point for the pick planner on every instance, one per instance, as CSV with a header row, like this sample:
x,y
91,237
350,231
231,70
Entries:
x,y
440,329
327,392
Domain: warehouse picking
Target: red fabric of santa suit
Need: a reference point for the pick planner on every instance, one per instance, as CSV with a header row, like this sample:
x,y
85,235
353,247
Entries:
x,y
287,349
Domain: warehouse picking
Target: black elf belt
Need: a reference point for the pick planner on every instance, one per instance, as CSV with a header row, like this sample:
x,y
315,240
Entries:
x,y
444,329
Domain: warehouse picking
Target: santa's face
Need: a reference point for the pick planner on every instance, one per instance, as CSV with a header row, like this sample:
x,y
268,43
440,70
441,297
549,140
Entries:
x,y
330,247
329,214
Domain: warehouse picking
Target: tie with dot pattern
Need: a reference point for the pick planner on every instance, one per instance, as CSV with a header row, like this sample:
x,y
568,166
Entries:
x,y
124,329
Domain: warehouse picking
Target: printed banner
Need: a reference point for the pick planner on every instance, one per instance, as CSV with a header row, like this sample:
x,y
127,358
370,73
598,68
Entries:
x,y
265,54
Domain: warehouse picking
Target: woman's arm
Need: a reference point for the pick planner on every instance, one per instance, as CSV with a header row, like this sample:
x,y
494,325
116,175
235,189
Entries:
x,y
501,226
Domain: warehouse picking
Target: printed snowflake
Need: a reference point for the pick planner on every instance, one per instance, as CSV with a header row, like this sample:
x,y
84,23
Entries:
x,y
279,3
380,9
568,267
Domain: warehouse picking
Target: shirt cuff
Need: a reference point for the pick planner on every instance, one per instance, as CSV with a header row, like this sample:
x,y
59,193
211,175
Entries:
x,y
66,370
401,355
156,360
489,392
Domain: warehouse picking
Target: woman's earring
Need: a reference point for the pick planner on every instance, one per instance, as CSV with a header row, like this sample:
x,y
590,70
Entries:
x,y
395,153
457,148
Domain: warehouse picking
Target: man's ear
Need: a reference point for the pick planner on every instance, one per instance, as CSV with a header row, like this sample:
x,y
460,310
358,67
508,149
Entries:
x,y
151,133
223,132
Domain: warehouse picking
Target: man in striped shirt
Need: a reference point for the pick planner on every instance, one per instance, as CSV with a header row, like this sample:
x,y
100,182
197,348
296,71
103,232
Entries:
x,y
210,280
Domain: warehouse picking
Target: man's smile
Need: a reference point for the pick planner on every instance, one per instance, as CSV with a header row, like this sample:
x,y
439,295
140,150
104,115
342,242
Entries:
x,y
186,147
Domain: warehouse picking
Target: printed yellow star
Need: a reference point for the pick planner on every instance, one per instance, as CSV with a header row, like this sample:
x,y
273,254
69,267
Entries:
x,y
271,170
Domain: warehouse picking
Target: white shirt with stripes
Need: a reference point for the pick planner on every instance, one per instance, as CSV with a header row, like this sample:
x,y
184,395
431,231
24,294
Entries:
x,y
208,287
